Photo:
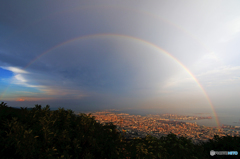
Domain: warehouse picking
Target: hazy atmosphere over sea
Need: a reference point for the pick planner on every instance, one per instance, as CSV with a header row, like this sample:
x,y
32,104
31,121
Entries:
x,y
174,56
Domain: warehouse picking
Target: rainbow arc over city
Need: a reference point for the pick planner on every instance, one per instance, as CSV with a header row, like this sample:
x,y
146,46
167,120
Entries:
x,y
160,50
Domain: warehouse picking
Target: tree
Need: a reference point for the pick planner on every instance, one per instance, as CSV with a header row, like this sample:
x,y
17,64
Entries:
x,y
43,133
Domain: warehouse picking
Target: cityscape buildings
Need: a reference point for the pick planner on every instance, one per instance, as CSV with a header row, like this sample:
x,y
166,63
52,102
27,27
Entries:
x,y
133,126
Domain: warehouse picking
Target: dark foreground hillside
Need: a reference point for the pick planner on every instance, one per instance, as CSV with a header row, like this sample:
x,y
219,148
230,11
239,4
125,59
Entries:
x,y
41,133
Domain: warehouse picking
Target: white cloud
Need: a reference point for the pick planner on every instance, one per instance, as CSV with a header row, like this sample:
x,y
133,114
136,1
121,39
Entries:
x,y
211,56
227,75
220,77
226,70
20,78
28,79
15,69
230,30
208,61
234,26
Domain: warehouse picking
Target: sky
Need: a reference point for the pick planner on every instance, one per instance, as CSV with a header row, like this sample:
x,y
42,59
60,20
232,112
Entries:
x,y
87,55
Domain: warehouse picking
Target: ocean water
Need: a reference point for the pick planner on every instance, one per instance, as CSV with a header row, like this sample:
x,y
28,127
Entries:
x,y
225,117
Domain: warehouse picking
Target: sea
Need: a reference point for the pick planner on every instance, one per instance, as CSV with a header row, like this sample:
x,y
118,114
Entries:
x,y
224,117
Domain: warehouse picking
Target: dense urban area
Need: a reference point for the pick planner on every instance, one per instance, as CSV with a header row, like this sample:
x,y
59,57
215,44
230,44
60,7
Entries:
x,y
133,126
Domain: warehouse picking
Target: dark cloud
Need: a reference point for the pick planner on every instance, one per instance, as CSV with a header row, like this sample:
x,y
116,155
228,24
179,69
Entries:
x,y
110,70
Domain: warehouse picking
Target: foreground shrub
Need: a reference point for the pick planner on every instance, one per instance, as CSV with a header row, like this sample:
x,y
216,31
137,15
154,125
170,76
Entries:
x,y
41,133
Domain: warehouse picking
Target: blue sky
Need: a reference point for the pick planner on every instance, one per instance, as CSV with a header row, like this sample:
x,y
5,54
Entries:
x,y
117,63
6,74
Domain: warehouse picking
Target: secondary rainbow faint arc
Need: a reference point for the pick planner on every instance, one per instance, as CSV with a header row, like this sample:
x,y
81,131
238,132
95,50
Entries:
x,y
137,39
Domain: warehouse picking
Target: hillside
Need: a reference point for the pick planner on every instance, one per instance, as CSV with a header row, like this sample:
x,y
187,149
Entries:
x,y
41,133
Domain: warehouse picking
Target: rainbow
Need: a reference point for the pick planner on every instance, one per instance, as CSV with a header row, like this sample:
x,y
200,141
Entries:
x,y
139,40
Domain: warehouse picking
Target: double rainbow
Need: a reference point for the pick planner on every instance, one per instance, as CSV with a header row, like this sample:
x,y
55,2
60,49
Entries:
x,y
162,51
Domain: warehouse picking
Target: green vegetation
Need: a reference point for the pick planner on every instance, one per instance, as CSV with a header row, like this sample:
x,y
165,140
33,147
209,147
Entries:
x,y
41,133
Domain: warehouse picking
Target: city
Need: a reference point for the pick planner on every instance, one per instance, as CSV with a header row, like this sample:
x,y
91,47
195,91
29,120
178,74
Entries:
x,y
133,126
